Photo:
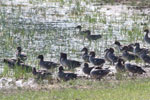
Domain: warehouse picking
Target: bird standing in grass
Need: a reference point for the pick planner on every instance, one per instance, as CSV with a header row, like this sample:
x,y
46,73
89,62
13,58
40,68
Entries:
x,y
22,56
120,47
71,64
65,76
85,55
111,56
134,69
46,64
138,50
146,37
96,61
99,73
17,63
41,74
106,55
86,69
10,62
120,67
128,56
145,57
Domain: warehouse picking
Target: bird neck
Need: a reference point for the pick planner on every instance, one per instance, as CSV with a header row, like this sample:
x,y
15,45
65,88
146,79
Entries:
x,y
64,58
41,59
79,29
19,51
92,56
146,34
61,71
118,44
137,46
86,52
126,52
34,71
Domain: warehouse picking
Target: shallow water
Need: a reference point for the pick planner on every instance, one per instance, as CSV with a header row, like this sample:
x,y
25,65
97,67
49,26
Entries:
x,y
48,28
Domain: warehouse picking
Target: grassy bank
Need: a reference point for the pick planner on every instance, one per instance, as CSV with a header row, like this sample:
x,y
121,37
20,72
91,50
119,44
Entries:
x,y
85,90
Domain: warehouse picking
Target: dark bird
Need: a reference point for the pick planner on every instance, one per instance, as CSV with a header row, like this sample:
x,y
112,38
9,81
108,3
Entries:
x,y
68,63
111,56
41,74
120,47
93,37
85,55
84,33
65,76
10,62
86,69
120,67
96,61
46,64
22,56
106,55
25,67
146,37
13,63
134,69
145,57
99,73
128,56
137,49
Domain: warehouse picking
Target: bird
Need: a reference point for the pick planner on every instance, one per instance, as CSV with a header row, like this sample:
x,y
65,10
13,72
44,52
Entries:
x,y
120,47
22,56
134,69
10,62
128,56
93,37
86,69
111,56
41,74
65,76
137,49
145,57
13,63
25,67
99,73
71,64
84,33
85,55
146,37
120,67
106,55
46,64
96,61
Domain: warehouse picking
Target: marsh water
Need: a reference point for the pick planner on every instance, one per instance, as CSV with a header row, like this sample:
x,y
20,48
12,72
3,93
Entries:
x,y
48,27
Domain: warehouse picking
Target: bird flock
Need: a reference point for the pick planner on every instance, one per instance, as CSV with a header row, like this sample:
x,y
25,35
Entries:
x,y
92,65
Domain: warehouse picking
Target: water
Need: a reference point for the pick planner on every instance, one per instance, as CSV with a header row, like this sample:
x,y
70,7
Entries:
x,y
48,28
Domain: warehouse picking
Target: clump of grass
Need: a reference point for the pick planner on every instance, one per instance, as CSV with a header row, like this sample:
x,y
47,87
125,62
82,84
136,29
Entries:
x,y
18,72
5,71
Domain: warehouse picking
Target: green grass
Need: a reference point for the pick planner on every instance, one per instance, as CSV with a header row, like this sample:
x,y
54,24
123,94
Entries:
x,y
17,73
125,90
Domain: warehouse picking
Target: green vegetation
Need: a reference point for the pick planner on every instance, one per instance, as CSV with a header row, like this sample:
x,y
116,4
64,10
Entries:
x,y
125,90
48,27
18,72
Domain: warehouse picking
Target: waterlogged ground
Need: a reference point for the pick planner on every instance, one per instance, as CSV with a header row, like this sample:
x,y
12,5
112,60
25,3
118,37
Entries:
x,y
48,27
